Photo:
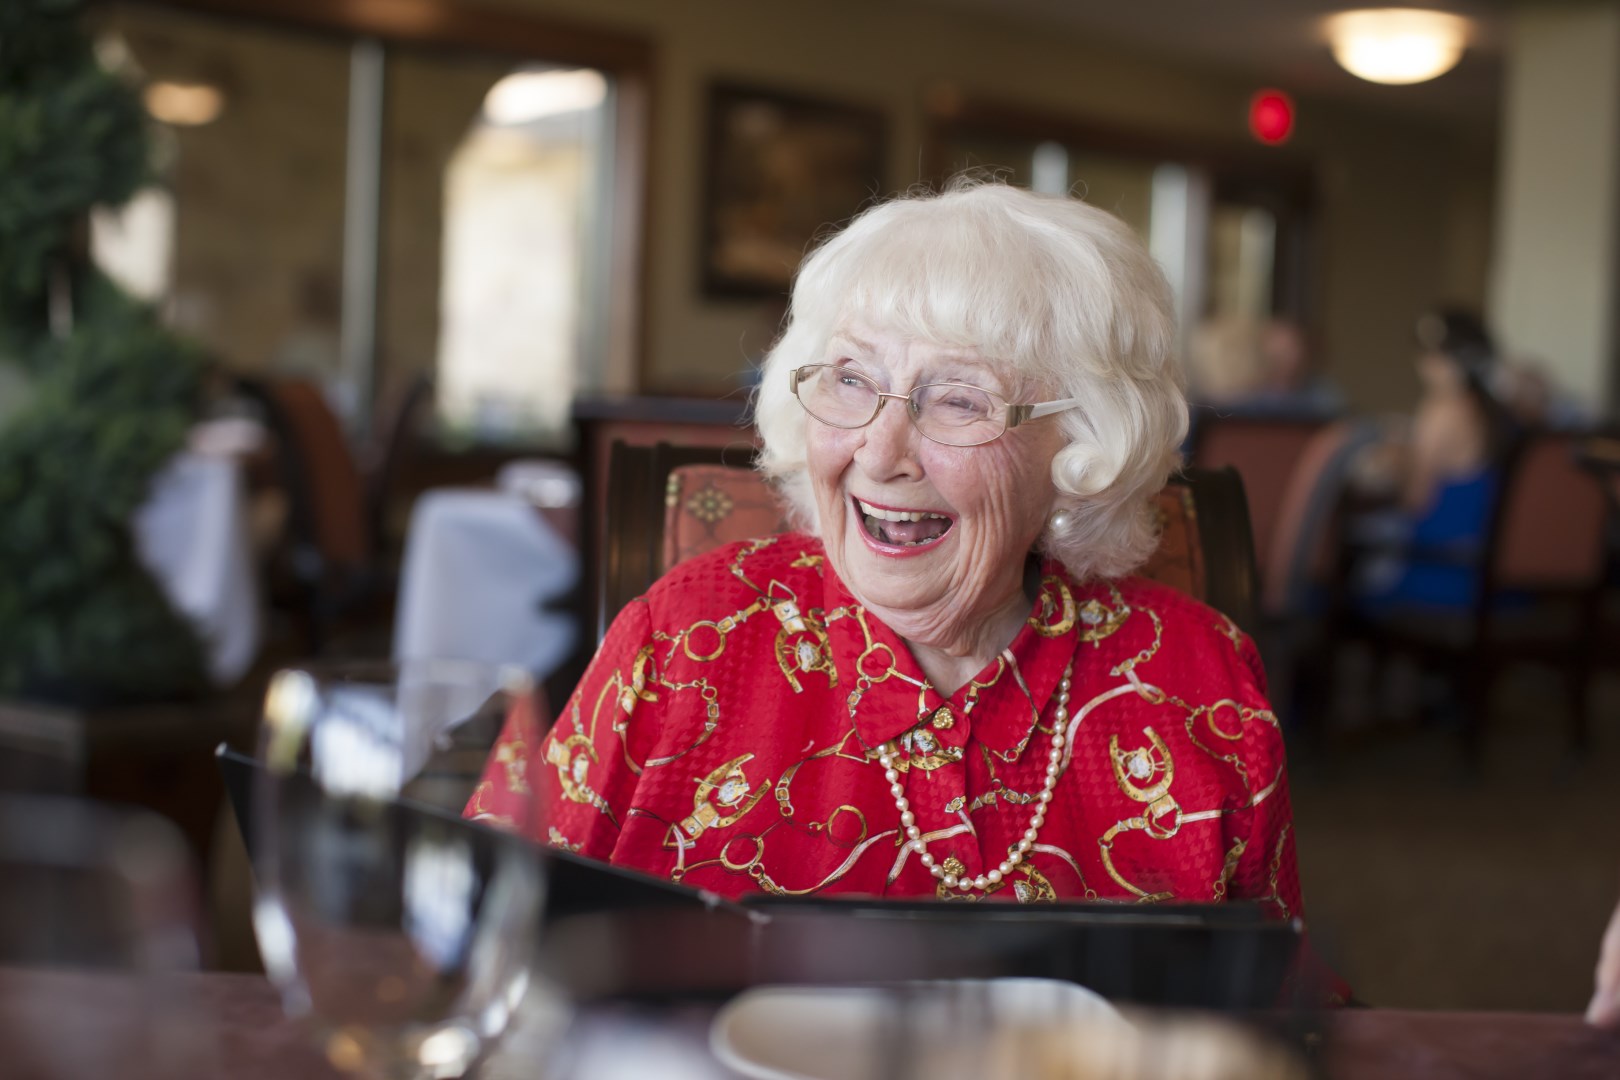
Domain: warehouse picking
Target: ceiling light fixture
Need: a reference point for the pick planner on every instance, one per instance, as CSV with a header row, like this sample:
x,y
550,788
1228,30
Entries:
x,y
1397,46
184,104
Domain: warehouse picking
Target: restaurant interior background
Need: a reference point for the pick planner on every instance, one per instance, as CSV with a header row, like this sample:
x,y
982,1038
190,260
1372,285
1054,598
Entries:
x,y
528,203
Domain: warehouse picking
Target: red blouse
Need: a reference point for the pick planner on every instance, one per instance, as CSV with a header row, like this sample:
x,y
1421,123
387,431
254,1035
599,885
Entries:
x,y
727,735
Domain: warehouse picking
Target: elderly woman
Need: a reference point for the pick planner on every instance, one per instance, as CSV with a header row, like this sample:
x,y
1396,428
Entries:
x,y
947,684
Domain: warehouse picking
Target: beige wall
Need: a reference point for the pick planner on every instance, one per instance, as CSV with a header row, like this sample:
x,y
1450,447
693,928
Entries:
x,y
1555,287
258,243
1405,207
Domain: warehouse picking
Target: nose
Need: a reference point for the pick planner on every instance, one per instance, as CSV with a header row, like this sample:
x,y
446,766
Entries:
x,y
889,444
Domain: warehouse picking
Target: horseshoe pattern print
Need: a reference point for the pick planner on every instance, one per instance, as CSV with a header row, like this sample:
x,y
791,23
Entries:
x,y
729,733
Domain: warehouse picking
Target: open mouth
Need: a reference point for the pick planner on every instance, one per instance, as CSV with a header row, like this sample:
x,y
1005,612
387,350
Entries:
x,y
902,528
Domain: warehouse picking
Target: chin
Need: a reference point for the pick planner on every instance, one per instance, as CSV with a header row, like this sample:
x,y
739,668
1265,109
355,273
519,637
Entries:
x,y
895,576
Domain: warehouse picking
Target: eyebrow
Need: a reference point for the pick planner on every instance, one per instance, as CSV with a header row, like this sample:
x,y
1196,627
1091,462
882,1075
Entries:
x,y
858,342
952,356
965,367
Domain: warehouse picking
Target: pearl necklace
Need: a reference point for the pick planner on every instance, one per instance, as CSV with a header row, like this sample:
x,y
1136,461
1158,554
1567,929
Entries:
x,y
1054,769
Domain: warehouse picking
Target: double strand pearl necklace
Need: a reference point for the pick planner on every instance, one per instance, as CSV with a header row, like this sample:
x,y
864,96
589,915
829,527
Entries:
x,y
1054,769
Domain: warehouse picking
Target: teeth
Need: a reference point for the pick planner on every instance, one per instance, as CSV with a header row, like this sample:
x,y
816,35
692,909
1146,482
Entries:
x,y
897,515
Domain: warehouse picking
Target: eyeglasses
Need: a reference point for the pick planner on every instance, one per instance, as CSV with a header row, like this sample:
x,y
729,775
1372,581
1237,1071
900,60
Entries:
x,y
953,414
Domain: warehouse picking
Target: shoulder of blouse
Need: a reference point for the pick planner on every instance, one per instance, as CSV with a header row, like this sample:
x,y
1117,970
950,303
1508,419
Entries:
x,y
1198,628
716,583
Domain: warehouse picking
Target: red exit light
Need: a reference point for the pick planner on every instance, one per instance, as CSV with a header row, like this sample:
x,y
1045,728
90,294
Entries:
x,y
1271,117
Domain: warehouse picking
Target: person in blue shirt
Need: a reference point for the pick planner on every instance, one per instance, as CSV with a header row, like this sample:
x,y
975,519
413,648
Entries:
x,y
1442,471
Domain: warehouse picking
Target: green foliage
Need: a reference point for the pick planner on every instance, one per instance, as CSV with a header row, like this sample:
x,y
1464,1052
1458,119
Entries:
x,y
38,35
70,140
106,405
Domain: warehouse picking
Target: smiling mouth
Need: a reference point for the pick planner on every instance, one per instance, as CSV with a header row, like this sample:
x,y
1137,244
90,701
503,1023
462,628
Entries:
x,y
902,528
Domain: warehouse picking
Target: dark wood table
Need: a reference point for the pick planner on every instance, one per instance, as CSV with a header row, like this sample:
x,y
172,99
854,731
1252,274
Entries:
x,y
67,1024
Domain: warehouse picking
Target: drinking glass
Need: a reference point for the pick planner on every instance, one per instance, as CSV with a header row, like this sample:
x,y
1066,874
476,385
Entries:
x,y
404,934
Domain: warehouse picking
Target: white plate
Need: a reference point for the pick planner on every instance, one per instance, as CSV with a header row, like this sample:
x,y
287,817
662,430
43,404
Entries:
x,y
942,1029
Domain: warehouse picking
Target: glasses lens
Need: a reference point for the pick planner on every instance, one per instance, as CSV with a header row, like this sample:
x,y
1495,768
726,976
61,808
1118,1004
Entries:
x,y
837,396
958,415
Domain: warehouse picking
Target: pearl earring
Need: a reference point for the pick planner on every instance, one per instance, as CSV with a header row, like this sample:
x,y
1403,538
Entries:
x,y
1060,520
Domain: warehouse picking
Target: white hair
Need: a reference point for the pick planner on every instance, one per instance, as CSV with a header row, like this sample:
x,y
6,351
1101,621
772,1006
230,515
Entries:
x,y
1061,296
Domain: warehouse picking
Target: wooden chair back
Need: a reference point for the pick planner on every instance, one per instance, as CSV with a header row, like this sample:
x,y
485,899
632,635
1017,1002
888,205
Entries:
x,y
1303,543
1264,451
327,473
1553,522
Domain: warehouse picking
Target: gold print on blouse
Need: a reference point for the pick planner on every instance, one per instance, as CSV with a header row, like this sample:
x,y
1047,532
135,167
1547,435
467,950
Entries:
x,y
1225,720
998,787
1030,887
1098,620
573,758
637,690
722,798
1034,888
876,664
1239,846
1054,609
514,759
923,750
801,648
744,853
801,644
726,794
784,798
1135,771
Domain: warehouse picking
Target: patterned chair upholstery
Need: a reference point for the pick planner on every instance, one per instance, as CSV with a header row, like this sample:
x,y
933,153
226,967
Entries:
x,y
709,506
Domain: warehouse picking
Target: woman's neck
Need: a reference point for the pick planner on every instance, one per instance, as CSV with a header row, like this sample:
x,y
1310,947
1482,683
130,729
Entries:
x,y
951,664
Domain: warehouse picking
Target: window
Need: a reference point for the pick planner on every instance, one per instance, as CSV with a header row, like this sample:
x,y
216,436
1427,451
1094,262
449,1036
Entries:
x,y
459,197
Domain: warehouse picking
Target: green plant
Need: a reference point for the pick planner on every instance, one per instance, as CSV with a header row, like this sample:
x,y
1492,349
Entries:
x,y
96,403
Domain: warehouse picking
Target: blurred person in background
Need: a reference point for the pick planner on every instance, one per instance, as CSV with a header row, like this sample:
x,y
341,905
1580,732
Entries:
x,y
1526,388
1240,367
1224,360
1290,382
1440,469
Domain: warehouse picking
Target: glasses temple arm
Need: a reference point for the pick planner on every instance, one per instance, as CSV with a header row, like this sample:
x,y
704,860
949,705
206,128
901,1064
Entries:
x,y
1017,414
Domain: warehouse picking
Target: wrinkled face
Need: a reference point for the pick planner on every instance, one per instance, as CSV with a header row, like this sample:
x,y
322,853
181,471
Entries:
x,y
931,537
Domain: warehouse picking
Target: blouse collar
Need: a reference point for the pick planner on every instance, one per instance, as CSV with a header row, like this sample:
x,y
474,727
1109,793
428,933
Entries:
x,y
886,693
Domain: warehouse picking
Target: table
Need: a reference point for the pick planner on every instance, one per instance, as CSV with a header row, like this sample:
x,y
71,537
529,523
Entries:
x,y
193,534
479,571
236,1029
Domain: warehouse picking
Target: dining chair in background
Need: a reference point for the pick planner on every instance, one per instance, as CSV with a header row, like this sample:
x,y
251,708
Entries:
x,y
1263,450
335,561
1537,588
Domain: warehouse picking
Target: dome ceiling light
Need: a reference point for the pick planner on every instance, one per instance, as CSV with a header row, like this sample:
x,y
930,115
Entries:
x,y
1397,46
184,104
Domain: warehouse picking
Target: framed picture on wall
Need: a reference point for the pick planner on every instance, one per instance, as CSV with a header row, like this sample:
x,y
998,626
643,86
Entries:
x,y
781,170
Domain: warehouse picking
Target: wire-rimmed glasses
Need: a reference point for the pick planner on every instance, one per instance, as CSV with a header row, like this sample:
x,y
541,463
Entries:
x,y
953,414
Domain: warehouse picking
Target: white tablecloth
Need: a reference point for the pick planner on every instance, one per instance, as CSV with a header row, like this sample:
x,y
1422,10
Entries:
x,y
480,566
192,534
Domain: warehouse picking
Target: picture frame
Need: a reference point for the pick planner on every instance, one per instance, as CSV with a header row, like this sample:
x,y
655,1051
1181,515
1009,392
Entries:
x,y
781,170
